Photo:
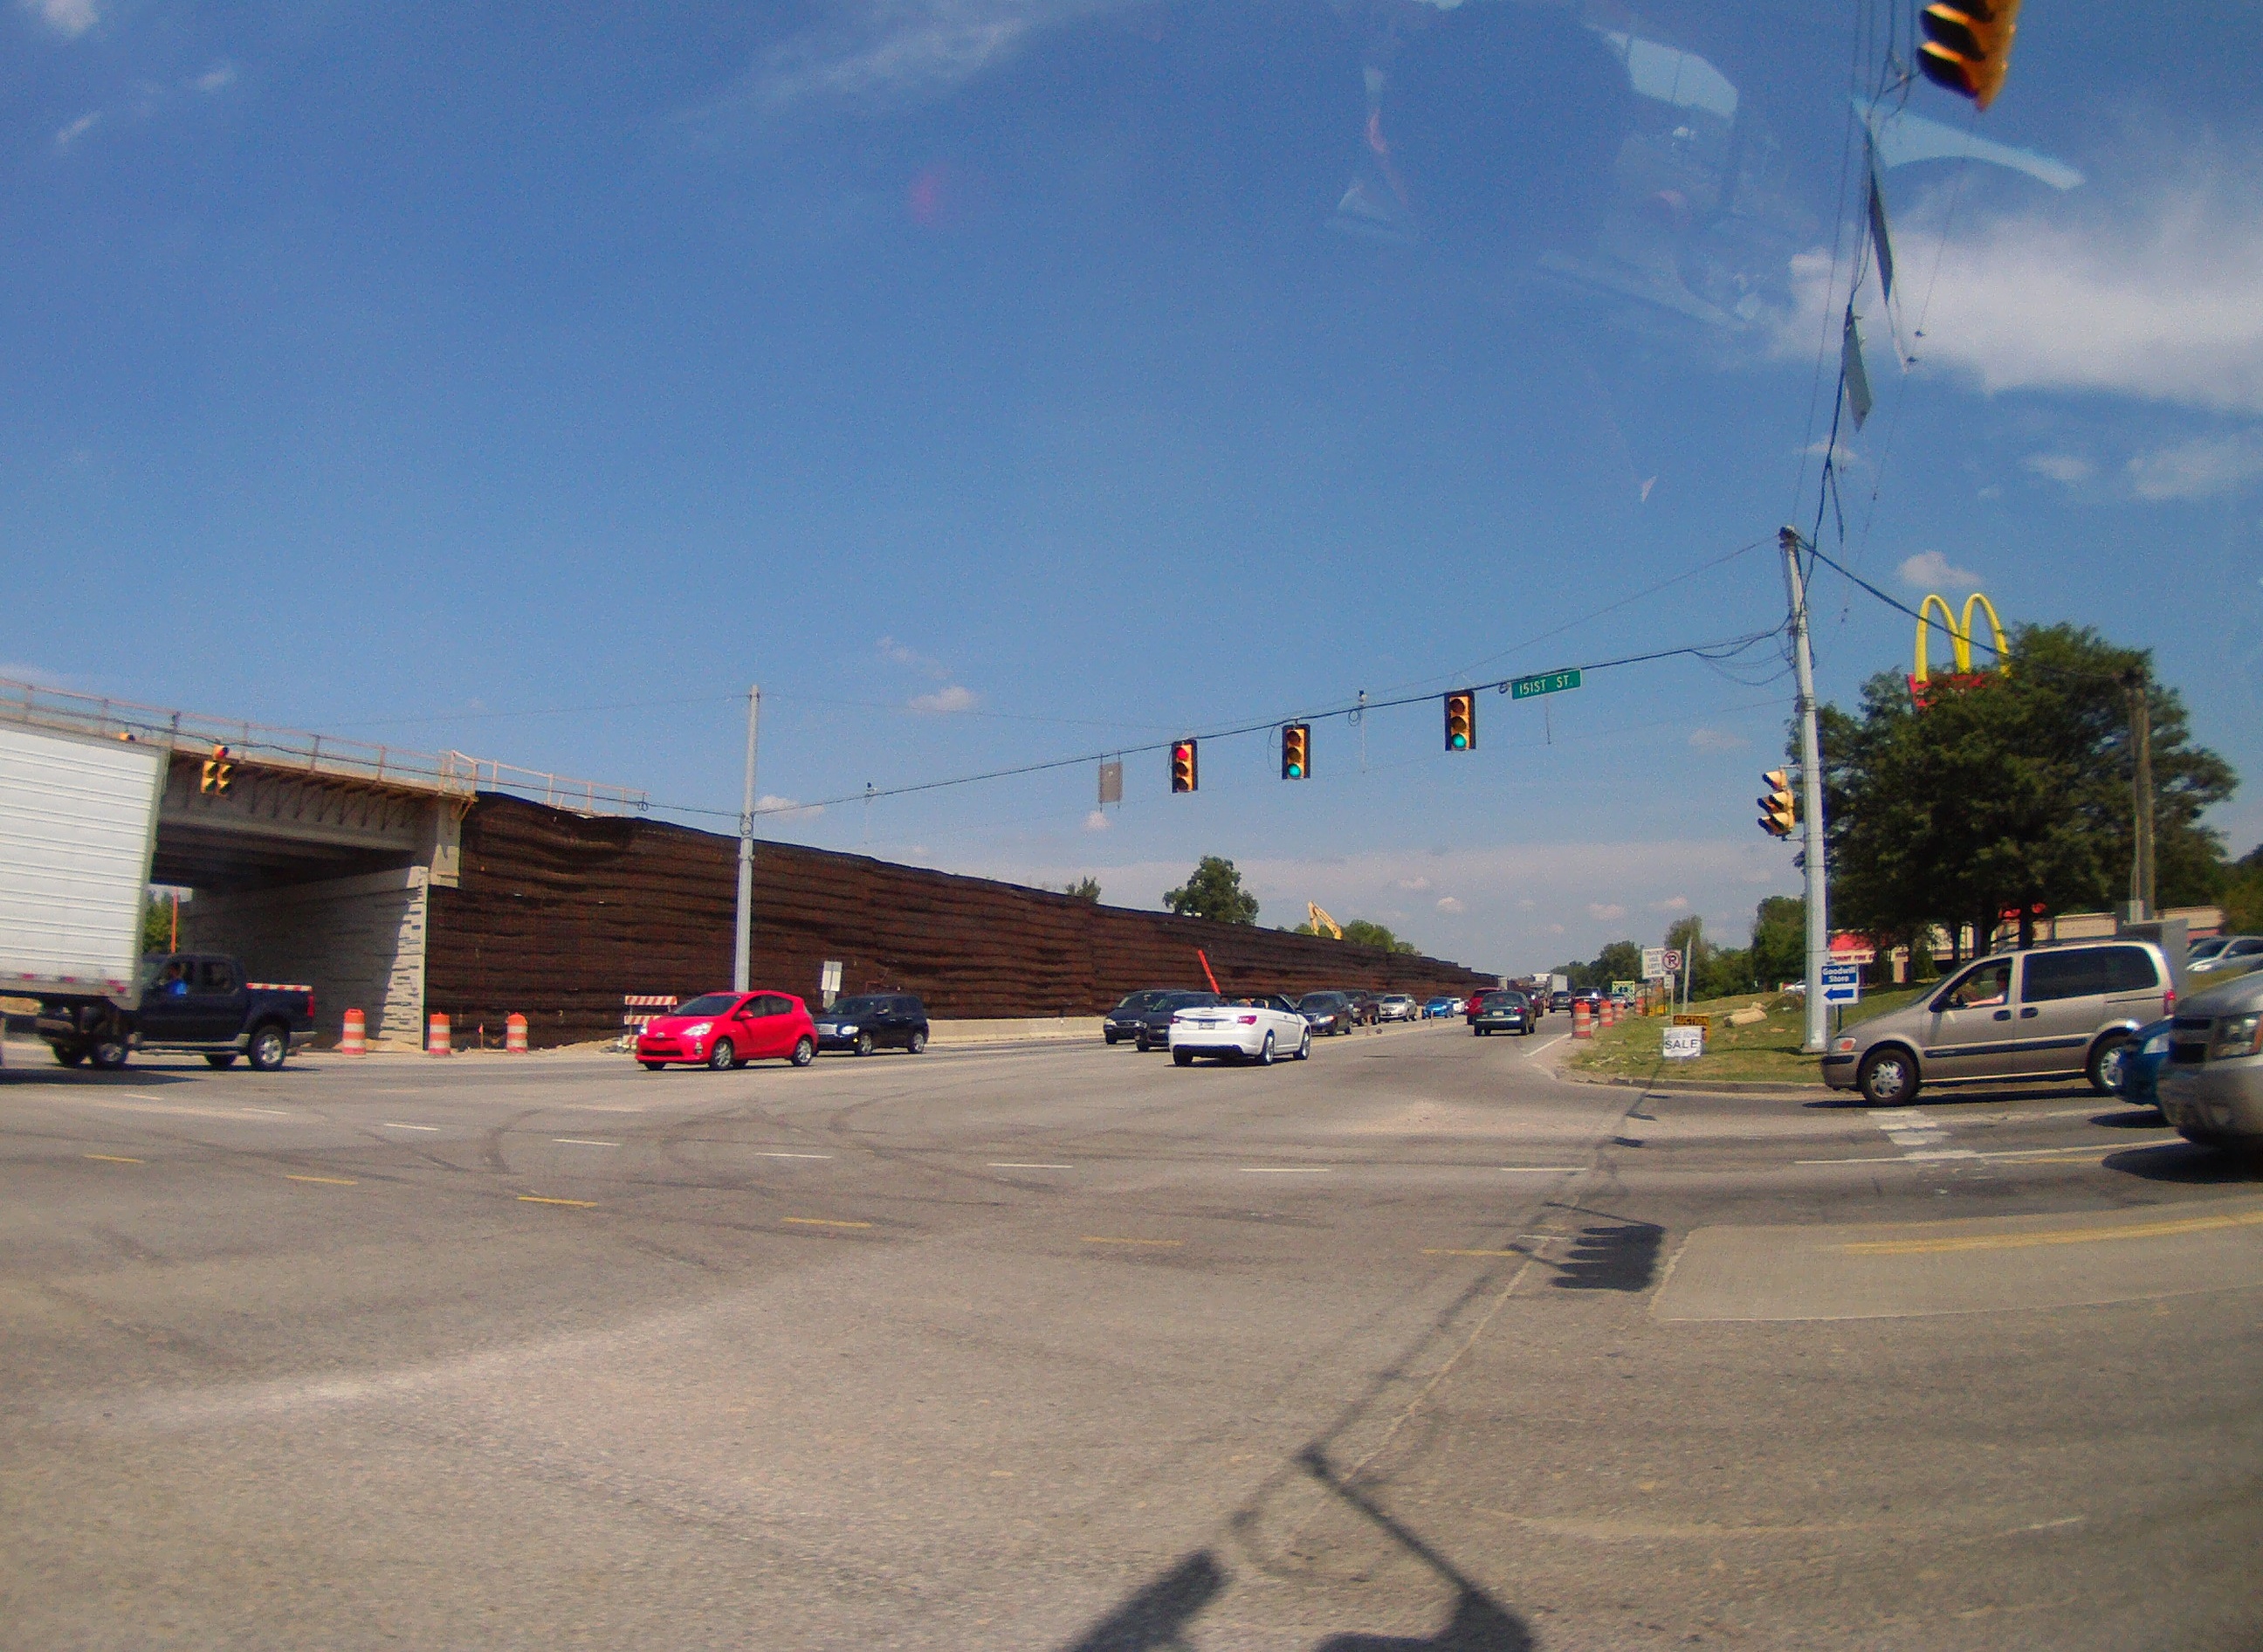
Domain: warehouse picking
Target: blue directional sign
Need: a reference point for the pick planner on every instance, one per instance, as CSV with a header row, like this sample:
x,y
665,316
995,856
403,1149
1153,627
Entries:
x,y
1843,983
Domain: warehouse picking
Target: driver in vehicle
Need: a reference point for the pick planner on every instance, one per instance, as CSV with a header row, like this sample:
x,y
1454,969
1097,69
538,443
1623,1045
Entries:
x,y
1983,989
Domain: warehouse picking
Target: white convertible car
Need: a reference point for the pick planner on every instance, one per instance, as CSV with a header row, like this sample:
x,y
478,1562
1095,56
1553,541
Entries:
x,y
1258,1028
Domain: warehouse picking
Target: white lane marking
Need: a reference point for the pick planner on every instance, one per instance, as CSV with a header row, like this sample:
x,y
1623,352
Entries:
x,y
995,1166
388,1123
1537,1169
278,1112
1287,1170
760,1154
1549,1044
582,1141
1998,1153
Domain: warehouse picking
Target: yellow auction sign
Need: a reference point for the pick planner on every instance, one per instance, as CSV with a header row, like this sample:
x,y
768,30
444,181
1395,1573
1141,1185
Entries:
x,y
1960,638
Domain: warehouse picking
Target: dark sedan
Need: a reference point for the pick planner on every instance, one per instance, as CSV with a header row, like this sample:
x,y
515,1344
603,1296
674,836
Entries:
x,y
1503,1010
874,1020
1329,1012
1145,1018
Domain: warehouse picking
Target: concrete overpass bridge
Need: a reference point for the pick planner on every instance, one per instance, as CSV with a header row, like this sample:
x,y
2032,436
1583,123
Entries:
x,y
317,863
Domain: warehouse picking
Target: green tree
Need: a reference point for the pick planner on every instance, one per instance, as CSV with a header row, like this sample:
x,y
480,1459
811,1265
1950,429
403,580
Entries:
x,y
1082,890
157,923
1361,933
1779,940
1620,961
2242,893
2012,793
1215,892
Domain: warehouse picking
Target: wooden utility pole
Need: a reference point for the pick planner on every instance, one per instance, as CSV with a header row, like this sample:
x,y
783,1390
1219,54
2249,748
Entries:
x,y
2141,747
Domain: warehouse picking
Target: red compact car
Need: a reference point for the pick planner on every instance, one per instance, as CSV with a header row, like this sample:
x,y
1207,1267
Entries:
x,y
724,1030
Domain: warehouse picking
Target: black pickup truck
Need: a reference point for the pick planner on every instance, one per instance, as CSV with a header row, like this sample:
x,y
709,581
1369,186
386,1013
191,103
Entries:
x,y
196,1002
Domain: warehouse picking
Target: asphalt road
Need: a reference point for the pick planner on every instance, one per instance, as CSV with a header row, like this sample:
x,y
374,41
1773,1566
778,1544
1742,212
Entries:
x,y
1411,1345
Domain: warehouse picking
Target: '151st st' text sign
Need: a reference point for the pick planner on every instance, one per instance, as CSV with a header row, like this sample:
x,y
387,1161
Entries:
x,y
1546,682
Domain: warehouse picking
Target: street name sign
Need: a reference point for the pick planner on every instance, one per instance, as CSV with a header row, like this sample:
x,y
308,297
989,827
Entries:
x,y
1843,983
1546,682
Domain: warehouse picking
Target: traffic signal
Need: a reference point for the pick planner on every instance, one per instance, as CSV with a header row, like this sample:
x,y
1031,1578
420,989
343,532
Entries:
x,y
219,770
1968,46
1296,752
1779,809
1462,719
1183,775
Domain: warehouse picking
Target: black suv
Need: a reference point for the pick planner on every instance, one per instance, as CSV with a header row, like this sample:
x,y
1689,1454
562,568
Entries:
x,y
874,1020
1145,1018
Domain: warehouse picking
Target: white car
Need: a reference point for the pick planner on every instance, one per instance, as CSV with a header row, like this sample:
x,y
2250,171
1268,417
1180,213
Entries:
x,y
1398,1007
1257,1027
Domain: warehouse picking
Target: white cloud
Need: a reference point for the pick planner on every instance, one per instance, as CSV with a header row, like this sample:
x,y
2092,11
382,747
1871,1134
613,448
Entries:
x,y
2149,293
2199,469
1678,903
892,50
78,129
1097,821
953,698
2067,467
1717,740
1606,912
68,17
1450,903
218,77
1931,571
1417,884
1555,929
768,804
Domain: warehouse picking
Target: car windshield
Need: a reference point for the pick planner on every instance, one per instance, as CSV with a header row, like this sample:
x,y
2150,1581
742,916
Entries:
x,y
1133,1002
1319,1001
708,1004
859,1006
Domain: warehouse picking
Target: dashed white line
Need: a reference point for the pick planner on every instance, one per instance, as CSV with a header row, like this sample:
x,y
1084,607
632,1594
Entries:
x,y
760,1154
276,1112
1537,1169
1548,1044
388,1123
997,1166
582,1141
1286,1170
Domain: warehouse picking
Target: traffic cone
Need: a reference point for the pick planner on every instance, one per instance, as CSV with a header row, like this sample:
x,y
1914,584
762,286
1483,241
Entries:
x,y
1583,1020
435,1037
354,1039
514,1036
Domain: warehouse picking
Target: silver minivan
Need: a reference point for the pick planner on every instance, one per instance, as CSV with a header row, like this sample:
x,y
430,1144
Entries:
x,y
2053,1012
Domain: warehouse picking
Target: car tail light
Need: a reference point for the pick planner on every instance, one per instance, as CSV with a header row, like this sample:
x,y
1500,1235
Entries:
x,y
1246,1020
2169,1001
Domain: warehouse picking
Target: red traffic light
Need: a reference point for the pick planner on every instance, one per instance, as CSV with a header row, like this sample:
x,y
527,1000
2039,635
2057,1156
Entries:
x,y
1184,774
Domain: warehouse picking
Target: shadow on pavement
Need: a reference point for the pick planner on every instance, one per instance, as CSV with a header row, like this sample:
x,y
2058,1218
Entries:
x,y
2187,1163
1157,1615
2130,1118
1611,1256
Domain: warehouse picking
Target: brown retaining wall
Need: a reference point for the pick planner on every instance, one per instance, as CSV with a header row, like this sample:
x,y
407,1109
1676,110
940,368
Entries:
x,y
559,915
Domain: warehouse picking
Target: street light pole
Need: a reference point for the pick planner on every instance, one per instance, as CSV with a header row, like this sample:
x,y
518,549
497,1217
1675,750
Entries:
x,y
741,959
1810,797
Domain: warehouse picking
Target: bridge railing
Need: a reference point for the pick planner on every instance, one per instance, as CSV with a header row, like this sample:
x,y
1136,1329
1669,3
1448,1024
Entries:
x,y
451,774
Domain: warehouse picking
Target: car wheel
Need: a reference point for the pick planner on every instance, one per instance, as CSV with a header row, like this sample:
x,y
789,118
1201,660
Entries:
x,y
864,1044
1110,1038
221,1060
1265,1052
652,1067
108,1053
917,1043
1305,1046
1141,1045
1183,1058
270,1045
723,1057
1888,1078
2109,1066
805,1051
69,1054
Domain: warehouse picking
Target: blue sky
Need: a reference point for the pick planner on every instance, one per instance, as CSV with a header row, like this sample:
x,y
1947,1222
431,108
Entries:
x,y
997,381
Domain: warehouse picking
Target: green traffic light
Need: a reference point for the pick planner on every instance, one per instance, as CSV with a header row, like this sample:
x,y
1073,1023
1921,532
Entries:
x,y
1296,770
1461,742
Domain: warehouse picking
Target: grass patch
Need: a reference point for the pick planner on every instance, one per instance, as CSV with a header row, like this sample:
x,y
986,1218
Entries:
x,y
1767,1051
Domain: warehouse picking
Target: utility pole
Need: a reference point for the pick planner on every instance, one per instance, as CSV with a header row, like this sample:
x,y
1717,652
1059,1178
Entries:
x,y
741,959
2140,746
1810,797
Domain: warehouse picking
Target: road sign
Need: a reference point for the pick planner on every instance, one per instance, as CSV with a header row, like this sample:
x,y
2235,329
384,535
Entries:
x,y
1843,983
1653,963
1684,1043
1671,962
1546,682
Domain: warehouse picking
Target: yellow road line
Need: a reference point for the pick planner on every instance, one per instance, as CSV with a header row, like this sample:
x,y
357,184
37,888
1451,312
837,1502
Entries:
x,y
2057,1236
578,1204
822,1222
328,1181
1107,1239
112,1158
1474,1253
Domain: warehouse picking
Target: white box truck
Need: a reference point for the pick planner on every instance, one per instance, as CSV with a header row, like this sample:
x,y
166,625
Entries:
x,y
78,826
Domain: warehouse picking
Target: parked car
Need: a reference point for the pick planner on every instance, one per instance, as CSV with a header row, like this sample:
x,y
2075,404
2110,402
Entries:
x,y
2239,954
2065,1011
199,1002
1257,1027
726,1030
2141,1062
1145,1018
1329,1012
1397,1006
2207,948
1438,1009
874,1021
1503,1009
2211,1087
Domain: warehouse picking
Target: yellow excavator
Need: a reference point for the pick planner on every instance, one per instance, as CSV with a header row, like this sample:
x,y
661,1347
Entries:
x,y
1320,921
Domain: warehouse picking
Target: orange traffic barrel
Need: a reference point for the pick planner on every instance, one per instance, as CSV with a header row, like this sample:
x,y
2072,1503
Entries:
x,y
354,1039
1583,1021
1610,1012
514,1036
436,1036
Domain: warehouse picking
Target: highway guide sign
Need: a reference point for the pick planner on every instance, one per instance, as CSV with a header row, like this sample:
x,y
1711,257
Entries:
x,y
1684,1043
1546,682
1843,983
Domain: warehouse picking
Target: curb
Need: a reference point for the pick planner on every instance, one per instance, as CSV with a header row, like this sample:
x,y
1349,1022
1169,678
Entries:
x,y
1725,1086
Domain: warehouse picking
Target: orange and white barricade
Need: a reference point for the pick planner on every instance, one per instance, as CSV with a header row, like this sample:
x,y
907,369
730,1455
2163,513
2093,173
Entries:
x,y
514,1036
1583,1020
353,1039
435,1037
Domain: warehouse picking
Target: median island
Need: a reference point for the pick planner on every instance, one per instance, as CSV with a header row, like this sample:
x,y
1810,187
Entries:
x,y
1765,1050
